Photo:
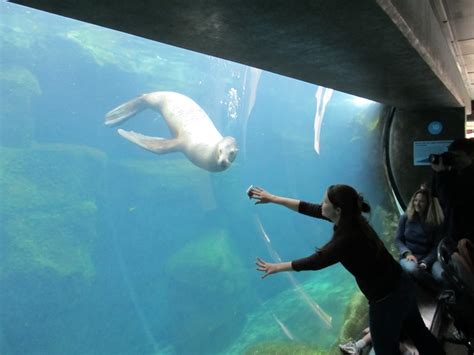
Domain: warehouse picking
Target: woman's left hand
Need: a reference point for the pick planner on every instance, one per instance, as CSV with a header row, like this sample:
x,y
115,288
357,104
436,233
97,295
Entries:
x,y
267,268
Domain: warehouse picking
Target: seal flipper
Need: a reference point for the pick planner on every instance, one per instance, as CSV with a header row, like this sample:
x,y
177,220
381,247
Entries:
x,y
153,144
125,111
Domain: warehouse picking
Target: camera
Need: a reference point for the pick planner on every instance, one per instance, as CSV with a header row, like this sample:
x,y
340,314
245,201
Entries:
x,y
249,191
447,157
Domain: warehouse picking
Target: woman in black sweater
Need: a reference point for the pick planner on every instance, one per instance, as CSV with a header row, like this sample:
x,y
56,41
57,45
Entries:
x,y
390,292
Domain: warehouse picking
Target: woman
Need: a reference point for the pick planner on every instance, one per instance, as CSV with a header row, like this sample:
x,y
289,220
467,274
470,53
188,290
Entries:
x,y
417,238
391,296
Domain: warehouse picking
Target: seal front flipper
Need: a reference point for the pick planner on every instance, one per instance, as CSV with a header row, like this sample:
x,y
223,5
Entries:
x,y
153,144
125,111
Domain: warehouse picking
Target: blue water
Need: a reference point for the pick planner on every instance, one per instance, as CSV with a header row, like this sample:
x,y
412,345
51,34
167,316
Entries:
x,y
109,249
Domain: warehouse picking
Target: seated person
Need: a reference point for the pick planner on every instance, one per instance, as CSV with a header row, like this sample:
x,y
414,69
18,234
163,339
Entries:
x,y
418,234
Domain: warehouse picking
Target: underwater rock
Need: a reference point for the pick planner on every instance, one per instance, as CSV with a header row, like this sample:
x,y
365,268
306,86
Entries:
x,y
48,210
50,222
138,57
18,86
287,316
204,278
356,318
283,348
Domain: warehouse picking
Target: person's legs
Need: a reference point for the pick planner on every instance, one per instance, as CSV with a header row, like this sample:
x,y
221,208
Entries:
x,y
385,324
423,277
410,267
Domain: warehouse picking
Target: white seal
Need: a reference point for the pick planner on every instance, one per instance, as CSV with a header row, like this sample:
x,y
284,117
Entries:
x,y
194,133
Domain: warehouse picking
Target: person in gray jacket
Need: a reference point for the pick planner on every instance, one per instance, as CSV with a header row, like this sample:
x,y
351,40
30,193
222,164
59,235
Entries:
x,y
419,231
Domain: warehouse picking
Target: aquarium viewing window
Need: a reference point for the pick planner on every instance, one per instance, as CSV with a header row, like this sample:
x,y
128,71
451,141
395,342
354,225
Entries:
x,y
119,238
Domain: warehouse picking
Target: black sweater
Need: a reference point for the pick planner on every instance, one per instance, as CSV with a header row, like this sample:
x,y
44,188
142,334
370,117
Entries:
x,y
376,275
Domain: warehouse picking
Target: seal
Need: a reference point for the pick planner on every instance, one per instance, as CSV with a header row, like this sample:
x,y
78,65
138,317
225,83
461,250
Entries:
x,y
194,133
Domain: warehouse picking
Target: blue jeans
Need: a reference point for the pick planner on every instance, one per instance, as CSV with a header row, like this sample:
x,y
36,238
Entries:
x,y
423,277
396,314
437,272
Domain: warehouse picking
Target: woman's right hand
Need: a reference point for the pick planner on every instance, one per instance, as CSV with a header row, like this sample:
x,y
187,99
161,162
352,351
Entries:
x,y
412,258
261,195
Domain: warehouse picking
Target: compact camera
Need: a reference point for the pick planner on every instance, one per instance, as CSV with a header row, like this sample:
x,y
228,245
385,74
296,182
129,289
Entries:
x,y
249,191
448,158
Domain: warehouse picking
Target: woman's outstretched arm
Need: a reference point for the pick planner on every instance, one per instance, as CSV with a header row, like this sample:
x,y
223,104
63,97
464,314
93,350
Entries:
x,y
263,196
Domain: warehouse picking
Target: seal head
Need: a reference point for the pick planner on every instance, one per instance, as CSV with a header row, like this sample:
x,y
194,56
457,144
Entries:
x,y
226,152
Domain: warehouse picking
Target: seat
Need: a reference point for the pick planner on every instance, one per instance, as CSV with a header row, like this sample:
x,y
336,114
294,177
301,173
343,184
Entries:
x,y
457,297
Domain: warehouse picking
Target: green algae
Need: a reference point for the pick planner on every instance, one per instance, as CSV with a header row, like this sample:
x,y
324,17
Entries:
x,y
356,318
283,348
291,315
210,268
19,80
48,209
133,55
213,265
18,86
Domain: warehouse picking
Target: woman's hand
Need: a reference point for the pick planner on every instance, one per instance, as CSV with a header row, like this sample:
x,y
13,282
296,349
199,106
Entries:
x,y
267,268
260,195
412,258
263,196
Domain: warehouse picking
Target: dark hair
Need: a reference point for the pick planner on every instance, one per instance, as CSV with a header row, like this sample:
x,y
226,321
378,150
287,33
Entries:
x,y
352,205
350,202
465,145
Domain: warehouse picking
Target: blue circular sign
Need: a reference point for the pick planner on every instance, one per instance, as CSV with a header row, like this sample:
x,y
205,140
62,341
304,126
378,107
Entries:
x,y
435,127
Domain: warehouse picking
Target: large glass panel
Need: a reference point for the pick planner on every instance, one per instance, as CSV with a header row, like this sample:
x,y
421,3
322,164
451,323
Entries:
x,y
107,248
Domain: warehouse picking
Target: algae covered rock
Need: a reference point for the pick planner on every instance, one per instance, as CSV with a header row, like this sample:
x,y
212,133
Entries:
x,y
48,210
136,56
307,316
356,318
18,86
283,348
206,284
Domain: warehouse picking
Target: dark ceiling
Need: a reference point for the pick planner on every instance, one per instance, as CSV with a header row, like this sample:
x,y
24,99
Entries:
x,y
389,51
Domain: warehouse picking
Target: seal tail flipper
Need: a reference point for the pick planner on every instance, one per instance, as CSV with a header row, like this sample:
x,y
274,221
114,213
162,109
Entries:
x,y
153,144
125,111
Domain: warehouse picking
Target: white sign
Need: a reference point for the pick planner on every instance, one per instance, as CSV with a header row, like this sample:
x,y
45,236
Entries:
x,y
423,149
